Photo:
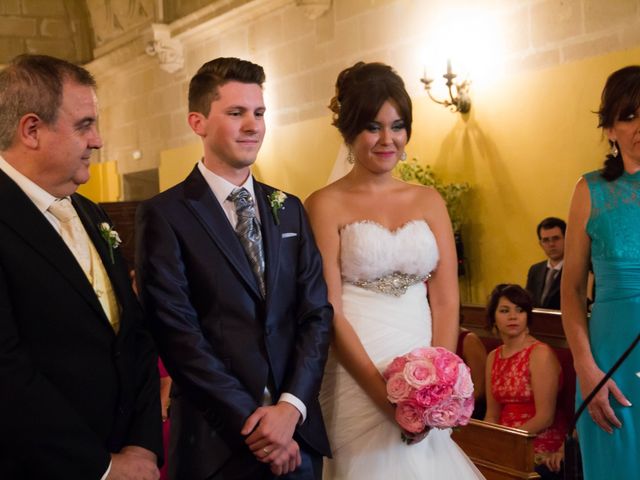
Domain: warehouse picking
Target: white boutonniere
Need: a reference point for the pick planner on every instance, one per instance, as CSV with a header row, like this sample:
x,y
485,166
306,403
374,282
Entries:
x,y
111,237
276,201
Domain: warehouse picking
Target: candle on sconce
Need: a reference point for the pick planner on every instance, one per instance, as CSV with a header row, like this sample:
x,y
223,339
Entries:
x,y
448,66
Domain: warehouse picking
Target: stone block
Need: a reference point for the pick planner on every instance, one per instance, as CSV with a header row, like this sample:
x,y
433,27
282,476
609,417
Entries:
x,y
44,8
235,43
599,15
10,7
382,27
311,111
18,27
10,48
56,48
266,32
323,83
630,36
296,24
179,125
310,54
597,46
351,8
553,21
533,61
346,40
325,27
283,60
54,28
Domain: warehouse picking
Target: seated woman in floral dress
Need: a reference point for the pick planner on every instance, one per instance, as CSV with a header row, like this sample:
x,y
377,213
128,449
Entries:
x,y
523,374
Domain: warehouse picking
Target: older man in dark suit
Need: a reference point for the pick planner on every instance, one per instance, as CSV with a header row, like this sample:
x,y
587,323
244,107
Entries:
x,y
232,280
78,379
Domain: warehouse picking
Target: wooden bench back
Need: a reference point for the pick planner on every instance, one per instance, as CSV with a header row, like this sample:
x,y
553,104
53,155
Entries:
x,y
500,453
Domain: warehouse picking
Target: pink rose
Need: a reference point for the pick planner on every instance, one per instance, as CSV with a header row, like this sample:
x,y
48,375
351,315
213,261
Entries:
x,y
410,416
420,373
396,366
422,353
432,395
397,388
447,367
463,387
466,410
444,415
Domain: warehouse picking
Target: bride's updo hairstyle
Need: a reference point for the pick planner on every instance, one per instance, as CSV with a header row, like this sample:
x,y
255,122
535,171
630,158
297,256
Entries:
x,y
360,92
620,99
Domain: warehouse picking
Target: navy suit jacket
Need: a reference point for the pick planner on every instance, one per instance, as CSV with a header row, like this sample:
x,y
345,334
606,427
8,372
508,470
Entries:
x,y
71,390
220,340
535,285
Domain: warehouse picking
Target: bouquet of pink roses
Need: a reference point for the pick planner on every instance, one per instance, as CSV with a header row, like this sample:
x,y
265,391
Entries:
x,y
431,387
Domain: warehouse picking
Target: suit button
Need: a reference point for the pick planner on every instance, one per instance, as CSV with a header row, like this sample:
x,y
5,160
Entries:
x,y
117,353
267,331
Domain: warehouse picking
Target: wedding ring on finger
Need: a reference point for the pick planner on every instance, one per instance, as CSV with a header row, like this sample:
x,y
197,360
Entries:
x,y
266,451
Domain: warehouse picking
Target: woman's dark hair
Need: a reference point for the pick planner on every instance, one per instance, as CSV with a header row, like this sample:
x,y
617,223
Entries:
x,y
515,294
360,92
620,99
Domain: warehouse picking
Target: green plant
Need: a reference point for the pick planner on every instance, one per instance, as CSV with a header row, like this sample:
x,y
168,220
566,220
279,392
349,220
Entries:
x,y
452,193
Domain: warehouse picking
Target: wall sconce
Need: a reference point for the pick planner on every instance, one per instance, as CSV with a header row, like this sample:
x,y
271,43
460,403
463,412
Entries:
x,y
461,101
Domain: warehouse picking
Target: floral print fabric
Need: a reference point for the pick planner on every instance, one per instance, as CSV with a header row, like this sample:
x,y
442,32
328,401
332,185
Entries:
x,y
511,388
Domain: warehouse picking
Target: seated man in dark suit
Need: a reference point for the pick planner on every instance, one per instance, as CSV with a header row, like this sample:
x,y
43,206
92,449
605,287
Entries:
x,y
543,280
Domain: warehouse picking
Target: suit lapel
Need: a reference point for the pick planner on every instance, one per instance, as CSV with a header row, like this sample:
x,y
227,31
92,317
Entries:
x,y
203,203
542,276
22,216
271,237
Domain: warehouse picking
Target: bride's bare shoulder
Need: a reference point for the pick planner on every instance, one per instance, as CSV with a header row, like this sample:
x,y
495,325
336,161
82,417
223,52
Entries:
x,y
325,198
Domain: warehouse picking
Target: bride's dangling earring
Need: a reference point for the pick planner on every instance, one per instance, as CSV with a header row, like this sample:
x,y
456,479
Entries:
x,y
350,158
403,156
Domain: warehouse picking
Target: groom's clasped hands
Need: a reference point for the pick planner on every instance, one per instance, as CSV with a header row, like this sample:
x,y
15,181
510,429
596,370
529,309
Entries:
x,y
269,431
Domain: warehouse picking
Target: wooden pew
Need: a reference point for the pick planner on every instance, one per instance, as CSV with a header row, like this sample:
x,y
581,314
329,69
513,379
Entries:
x,y
500,453
546,325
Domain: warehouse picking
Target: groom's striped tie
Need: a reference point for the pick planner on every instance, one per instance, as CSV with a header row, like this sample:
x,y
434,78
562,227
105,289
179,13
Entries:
x,y
248,231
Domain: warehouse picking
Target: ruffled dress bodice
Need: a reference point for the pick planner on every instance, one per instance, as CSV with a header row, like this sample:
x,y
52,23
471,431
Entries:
x,y
369,251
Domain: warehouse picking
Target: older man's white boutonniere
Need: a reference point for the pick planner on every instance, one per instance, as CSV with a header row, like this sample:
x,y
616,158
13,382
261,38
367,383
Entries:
x,y
276,200
111,237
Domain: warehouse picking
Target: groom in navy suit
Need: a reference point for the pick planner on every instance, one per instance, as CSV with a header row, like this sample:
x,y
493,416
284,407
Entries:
x,y
232,279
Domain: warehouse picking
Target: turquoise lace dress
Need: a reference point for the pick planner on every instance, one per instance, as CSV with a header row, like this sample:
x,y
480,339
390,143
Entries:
x,y
614,229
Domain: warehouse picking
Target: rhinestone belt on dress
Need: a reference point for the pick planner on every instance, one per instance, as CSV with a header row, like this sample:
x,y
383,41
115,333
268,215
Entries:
x,y
395,283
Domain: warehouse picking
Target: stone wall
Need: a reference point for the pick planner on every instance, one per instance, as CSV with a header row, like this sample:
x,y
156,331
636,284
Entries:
x,y
54,27
302,48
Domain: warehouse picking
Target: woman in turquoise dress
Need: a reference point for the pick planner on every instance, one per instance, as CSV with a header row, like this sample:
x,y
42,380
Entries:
x,y
604,227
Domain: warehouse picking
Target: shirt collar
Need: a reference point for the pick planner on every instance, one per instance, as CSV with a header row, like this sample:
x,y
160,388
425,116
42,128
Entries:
x,y
39,196
558,266
221,187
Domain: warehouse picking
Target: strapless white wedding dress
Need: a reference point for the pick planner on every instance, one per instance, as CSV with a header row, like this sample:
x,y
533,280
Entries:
x,y
390,319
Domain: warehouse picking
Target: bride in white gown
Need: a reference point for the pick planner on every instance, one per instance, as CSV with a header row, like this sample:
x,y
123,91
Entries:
x,y
380,240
